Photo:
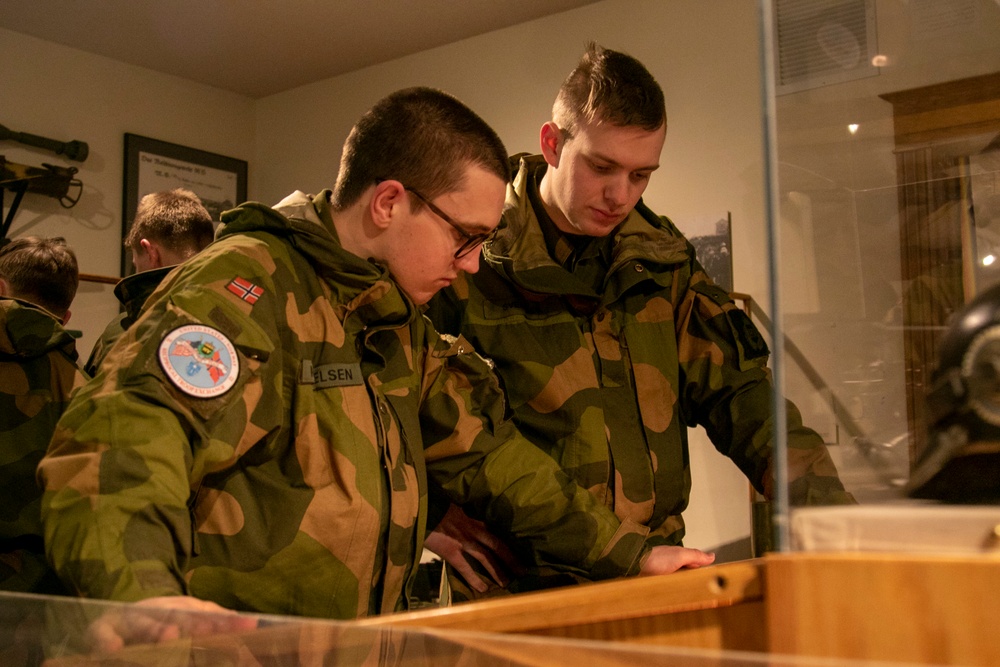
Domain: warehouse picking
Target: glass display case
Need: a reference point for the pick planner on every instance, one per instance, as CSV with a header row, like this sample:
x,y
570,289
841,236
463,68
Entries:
x,y
882,126
68,632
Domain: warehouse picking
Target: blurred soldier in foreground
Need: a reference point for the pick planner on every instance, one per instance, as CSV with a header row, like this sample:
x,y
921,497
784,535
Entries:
x,y
38,371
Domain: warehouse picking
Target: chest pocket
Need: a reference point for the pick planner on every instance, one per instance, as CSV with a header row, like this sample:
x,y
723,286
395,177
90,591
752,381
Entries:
x,y
333,413
541,354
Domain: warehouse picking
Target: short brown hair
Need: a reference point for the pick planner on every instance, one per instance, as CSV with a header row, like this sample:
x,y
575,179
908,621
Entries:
x,y
41,270
422,137
175,219
612,87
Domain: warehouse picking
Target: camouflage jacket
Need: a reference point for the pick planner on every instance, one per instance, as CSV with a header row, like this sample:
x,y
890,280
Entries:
x,y
293,478
131,291
608,383
38,372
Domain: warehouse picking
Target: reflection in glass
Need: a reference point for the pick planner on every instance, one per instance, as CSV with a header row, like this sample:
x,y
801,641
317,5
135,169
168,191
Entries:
x,y
888,213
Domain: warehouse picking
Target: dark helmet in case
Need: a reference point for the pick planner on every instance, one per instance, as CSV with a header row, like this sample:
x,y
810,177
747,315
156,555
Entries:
x,y
961,461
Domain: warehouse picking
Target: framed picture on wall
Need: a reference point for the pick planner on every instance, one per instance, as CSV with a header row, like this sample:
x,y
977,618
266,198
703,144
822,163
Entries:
x,y
712,238
152,165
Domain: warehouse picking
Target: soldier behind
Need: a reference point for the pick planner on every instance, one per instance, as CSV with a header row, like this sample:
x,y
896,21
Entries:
x,y
169,227
38,371
265,430
608,335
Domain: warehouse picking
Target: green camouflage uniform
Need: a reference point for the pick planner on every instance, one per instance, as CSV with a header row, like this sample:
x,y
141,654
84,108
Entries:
x,y
132,292
38,372
606,364
302,489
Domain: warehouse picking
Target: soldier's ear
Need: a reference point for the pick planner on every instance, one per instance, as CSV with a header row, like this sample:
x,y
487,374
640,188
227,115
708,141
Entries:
x,y
152,253
65,318
551,140
4,287
386,199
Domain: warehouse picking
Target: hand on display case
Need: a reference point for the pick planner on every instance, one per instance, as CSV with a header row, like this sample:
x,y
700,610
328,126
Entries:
x,y
163,619
667,560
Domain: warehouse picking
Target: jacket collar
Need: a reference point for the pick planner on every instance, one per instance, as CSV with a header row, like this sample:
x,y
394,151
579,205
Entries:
x,y
361,286
132,291
519,251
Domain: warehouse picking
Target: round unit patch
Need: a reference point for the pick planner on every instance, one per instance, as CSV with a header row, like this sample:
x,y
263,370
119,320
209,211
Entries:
x,y
199,360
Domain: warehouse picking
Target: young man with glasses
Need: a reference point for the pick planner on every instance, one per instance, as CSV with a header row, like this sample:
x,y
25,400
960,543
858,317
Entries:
x,y
608,335
469,242
262,437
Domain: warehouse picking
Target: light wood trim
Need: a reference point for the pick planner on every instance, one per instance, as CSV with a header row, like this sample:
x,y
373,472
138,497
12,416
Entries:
x,y
900,607
746,299
703,588
522,651
943,125
946,111
713,607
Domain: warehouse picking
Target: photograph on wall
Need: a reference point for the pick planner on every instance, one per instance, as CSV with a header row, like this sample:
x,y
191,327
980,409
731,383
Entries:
x,y
711,236
153,166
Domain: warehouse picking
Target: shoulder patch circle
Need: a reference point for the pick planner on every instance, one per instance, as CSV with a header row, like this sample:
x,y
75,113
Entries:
x,y
199,360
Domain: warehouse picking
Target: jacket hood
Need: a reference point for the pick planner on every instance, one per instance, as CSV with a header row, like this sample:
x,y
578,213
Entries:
x,y
27,331
306,222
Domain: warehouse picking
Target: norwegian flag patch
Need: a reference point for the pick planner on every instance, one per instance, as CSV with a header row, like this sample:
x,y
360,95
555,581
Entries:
x,y
245,289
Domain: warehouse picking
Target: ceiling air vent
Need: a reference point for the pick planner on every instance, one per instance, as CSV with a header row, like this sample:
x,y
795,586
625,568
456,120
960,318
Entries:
x,y
820,42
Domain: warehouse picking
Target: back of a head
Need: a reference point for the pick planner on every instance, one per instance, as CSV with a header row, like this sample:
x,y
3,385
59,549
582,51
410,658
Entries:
x,y
422,137
175,219
41,270
610,87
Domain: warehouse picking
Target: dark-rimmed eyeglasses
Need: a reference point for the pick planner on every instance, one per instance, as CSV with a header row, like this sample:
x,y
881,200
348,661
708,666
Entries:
x,y
471,242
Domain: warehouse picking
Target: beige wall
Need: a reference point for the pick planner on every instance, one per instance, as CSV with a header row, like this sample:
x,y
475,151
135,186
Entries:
x,y
53,91
704,54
